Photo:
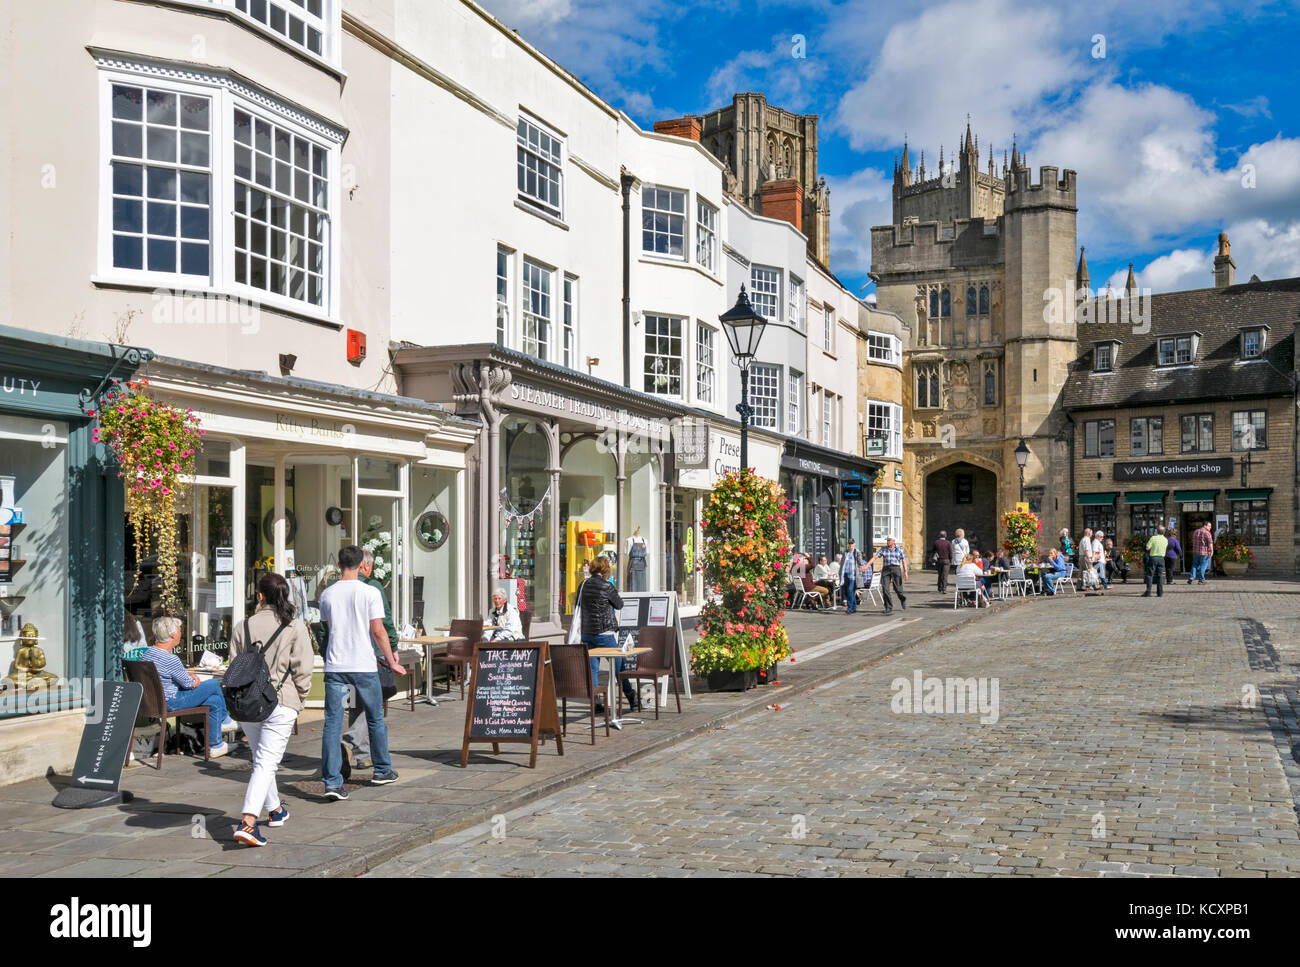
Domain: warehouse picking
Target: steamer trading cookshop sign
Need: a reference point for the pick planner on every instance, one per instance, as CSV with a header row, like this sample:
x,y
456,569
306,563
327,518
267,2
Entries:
x,y
1173,469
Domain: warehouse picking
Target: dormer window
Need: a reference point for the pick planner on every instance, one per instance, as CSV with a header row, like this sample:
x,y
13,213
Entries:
x,y
1176,350
1252,343
1103,359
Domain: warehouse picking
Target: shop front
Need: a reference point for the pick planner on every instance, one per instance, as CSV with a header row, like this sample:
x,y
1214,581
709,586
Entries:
x,y
832,494
567,467
60,554
291,471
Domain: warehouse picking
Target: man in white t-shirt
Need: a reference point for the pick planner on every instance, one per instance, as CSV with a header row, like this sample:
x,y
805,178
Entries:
x,y
353,613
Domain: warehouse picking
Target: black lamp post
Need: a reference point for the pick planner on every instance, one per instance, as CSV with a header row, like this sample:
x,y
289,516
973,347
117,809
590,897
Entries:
x,y
744,328
1022,458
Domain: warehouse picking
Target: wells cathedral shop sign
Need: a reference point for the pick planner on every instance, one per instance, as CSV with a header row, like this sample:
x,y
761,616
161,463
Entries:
x,y
1174,469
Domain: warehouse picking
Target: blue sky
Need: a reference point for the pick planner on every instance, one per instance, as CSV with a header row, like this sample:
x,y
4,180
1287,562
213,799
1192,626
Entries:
x,y
1182,119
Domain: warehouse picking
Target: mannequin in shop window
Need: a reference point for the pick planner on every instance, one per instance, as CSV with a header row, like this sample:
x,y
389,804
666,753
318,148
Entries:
x,y
638,559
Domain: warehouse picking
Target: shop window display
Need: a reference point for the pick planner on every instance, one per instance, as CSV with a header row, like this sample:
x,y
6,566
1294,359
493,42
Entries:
x,y
34,493
526,506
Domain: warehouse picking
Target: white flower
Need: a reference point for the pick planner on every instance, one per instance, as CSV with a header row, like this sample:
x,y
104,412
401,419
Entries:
x,y
376,520
385,536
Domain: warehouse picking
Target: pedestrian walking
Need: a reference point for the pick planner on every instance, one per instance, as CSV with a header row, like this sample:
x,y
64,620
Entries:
x,y
353,613
941,555
1172,556
893,572
960,548
357,737
850,565
1099,557
289,658
1202,552
1154,562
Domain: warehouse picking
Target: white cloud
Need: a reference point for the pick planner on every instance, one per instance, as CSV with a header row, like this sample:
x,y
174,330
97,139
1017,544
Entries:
x,y
858,201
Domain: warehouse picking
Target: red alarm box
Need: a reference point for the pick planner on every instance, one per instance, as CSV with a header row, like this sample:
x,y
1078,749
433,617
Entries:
x,y
356,346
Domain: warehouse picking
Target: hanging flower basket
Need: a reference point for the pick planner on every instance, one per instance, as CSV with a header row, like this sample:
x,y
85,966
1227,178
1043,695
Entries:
x,y
1023,529
156,446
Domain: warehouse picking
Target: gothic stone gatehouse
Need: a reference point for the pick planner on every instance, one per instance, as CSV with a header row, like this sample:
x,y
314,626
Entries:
x,y
966,263
1163,420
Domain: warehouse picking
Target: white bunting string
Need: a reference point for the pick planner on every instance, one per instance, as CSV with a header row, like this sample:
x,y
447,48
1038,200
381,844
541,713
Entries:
x,y
513,513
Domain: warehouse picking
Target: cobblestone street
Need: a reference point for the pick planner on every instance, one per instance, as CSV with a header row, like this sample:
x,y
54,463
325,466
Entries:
x,y
1132,738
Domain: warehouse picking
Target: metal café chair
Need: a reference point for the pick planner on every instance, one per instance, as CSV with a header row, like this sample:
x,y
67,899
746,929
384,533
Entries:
x,y
1018,582
872,590
808,597
1067,580
968,584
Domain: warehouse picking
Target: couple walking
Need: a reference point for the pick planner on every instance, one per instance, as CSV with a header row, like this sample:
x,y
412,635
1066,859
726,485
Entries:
x,y
893,572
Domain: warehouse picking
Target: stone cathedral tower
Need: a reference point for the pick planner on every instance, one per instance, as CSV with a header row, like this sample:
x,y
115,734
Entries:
x,y
970,262
771,159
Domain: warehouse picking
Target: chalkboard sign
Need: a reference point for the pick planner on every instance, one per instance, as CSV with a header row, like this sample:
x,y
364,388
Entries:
x,y
104,744
511,697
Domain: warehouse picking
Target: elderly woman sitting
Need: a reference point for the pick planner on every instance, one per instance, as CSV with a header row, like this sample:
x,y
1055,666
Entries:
x,y
183,690
503,620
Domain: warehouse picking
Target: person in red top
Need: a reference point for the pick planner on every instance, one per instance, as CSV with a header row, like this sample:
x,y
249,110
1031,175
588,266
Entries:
x,y
1202,552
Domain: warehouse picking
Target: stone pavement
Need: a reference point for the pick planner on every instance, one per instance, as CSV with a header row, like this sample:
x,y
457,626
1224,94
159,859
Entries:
x,y
181,820
1133,737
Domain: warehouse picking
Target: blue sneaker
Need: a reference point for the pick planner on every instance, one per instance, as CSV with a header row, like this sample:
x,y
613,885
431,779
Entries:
x,y
279,816
385,779
338,794
249,836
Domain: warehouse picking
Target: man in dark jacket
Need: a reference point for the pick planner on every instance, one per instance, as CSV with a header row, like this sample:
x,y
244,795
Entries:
x,y
357,737
943,548
600,604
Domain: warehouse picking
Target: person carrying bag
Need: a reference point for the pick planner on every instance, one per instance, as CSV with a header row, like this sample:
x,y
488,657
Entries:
x,y
268,683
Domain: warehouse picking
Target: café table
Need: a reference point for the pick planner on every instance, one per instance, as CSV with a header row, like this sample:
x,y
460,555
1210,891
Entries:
x,y
611,654
427,642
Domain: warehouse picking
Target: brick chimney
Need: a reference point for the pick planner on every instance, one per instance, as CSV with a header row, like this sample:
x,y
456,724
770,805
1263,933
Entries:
x,y
687,127
783,200
1225,269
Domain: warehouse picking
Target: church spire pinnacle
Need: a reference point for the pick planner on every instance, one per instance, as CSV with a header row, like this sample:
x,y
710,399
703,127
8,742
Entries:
x,y
1081,278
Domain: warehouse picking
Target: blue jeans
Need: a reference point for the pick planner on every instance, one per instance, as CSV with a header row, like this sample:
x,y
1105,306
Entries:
x,y
849,591
1156,572
207,693
365,686
607,640
1200,564
1050,578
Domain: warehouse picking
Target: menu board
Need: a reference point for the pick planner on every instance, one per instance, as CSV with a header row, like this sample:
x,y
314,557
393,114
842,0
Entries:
x,y
653,609
511,698
505,693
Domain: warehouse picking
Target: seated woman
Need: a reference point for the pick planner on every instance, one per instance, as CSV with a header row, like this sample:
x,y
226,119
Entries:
x,y
823,577
503,620
969,566
1115,563
1055,569
183,690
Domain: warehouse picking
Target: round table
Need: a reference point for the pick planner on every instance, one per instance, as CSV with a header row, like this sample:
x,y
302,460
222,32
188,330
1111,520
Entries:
x,y
611,654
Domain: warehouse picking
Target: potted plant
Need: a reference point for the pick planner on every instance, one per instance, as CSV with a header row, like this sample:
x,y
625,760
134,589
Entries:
x,y
156,446
1232,554
1135,551
746,545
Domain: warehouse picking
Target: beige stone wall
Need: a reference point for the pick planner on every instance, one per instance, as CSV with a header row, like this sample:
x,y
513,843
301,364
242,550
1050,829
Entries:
x,y
1273,468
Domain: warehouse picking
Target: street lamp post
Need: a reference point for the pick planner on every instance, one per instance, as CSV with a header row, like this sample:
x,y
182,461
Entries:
x,y
1022,458
744,328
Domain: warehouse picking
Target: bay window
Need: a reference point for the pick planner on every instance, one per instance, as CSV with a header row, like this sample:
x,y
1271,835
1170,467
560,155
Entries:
x,y
663,355
663,222
211,184
764,395
765,292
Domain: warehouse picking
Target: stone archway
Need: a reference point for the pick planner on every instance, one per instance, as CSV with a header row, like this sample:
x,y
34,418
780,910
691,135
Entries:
x,y
962,494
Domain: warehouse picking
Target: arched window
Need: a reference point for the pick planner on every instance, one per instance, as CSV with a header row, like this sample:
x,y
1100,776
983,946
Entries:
x,y
945,303
934,304
990,384
970,300
984,300
927,386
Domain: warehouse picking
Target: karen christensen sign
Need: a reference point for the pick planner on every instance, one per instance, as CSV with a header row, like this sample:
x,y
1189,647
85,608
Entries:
x,y
1173,469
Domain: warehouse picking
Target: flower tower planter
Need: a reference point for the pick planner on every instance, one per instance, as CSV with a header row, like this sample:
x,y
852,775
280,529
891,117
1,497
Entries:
x,y
745,548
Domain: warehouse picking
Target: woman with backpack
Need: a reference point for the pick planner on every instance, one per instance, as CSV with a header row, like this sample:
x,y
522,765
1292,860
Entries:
x,y
286,648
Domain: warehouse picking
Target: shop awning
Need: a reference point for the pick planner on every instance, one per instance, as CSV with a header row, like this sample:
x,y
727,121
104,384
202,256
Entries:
x,y
1262,493
1189,496
1146,497
1090,499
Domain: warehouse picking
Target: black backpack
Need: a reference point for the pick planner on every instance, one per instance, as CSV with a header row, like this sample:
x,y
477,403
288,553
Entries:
x,y
249,694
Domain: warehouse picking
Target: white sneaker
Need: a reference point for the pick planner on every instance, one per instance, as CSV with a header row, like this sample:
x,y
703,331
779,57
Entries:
x,y
217,751
229,725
